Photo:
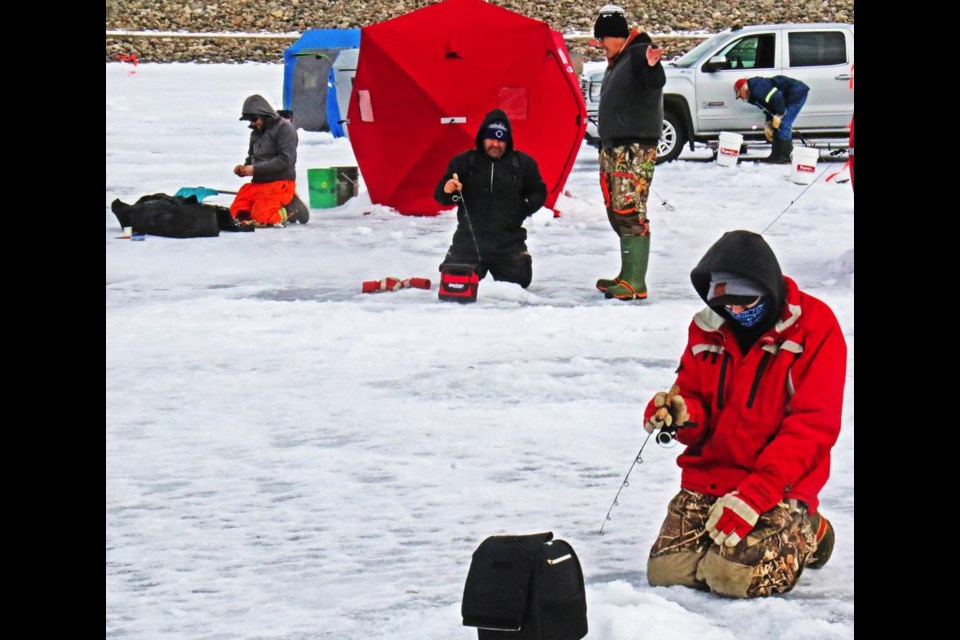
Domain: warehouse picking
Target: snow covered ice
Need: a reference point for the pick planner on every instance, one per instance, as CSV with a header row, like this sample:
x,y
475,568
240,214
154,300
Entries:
x,y
287,457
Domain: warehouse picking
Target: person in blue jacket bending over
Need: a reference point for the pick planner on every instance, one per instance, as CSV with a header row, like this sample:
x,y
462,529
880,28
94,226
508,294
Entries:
x,y
780,98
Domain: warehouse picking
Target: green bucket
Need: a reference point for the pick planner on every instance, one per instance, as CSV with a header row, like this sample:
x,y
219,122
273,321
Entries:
x,y
323,188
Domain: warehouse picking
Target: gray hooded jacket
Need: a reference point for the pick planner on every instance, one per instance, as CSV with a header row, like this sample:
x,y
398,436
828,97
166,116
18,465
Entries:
x,y
273,149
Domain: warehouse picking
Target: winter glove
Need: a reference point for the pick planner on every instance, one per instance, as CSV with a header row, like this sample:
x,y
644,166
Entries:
x,y
731,518
734,515
671,412
768,132
776,121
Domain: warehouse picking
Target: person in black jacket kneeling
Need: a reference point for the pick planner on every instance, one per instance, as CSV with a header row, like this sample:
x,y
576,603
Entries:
x,y
496,188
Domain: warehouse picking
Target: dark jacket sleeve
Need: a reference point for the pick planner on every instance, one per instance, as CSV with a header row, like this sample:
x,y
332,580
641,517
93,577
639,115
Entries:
x,y
777,104
758,96
534,189
651,77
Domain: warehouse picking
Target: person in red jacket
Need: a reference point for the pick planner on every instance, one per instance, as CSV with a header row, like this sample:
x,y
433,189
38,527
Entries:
x,y
851,152
757,402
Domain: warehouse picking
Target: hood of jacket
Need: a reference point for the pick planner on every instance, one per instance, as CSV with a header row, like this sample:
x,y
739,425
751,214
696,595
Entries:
x,y
259,106
746,254
493,116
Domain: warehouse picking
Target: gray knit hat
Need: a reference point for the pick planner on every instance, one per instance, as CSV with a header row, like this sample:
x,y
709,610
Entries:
x,y
732,289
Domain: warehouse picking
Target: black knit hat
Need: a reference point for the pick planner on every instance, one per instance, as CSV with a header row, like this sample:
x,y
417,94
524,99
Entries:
x,y
611,23
495,131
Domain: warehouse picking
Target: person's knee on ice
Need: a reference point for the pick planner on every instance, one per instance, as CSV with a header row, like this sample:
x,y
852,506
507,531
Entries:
x,y
767,561
495,188
762,384
681,542
516,268
270,164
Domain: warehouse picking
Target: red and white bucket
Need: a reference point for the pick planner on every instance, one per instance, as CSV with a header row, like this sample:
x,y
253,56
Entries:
x,y
804,161
728,149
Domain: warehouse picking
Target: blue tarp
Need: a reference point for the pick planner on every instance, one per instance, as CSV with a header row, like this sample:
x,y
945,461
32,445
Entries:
x,y
303,92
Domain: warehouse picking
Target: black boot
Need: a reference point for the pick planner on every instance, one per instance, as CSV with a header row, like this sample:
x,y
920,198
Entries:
x,y
226,222
780,152
297,211
826,538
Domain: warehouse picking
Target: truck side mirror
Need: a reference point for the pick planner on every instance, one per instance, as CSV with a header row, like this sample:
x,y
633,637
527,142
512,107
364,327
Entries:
x,y
716,63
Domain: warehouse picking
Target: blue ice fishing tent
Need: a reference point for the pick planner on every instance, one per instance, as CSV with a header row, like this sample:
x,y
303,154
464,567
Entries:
x,y
308,82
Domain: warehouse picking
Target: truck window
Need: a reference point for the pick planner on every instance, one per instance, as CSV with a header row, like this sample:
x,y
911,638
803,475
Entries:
x,y
751,52
817,48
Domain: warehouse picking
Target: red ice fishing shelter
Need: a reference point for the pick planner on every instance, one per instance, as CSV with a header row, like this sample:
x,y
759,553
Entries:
x,y
425,80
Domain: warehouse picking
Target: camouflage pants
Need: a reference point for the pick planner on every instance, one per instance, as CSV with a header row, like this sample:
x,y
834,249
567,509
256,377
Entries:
x,y
625,176
768,561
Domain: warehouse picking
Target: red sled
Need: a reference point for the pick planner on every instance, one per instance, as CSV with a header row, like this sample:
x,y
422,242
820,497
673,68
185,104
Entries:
x,y
458,283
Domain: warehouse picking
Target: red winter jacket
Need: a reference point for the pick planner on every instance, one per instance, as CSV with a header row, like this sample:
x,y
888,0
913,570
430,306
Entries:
x,y
770,415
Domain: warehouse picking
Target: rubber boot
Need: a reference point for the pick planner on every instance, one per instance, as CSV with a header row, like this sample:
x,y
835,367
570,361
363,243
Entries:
x,y
634,255
780,152
605,283
774,151
786,151
297,211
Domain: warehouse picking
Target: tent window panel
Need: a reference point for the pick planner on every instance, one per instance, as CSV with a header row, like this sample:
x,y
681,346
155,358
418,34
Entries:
x,y
310,81
366,106
513,100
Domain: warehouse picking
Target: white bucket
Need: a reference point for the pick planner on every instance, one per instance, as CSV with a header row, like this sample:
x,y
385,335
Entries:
x,y
804,164
728,151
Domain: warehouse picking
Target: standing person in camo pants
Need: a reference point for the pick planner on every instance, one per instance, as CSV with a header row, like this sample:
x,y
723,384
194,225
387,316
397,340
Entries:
x,y
630,124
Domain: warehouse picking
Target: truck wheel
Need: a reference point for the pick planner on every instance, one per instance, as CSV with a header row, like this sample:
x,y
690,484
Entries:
x,y
673,139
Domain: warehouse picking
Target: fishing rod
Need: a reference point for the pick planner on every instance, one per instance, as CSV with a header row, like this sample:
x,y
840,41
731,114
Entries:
x,y
458,197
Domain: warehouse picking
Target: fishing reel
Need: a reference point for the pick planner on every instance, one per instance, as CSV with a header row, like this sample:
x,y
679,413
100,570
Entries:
x,y
667,437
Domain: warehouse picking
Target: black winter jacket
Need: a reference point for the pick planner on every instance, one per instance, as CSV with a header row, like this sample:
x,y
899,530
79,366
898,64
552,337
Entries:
x,y
631,97
499,195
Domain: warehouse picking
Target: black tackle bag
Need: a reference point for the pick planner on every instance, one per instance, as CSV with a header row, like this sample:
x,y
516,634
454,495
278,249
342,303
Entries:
x,y
458,283
525,587
173,217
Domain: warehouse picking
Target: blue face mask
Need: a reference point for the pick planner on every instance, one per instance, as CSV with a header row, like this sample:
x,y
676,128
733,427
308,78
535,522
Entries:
x,y
749,317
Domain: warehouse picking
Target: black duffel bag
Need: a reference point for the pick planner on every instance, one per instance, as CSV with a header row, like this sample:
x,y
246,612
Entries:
x,y
172,217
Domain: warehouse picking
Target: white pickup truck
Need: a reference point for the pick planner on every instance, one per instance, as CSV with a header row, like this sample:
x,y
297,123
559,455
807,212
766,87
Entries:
x,y
698,98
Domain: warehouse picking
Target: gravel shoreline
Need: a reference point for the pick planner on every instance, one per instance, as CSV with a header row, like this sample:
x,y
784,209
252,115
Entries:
x,y
669,19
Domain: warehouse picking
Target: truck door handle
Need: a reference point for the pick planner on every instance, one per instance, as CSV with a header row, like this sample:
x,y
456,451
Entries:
x,y
842,76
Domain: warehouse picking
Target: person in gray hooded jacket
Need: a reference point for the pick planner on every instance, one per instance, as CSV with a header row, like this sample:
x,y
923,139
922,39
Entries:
x,y
272,163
